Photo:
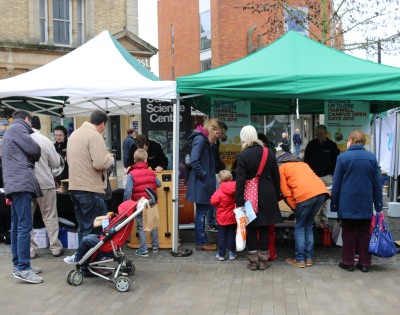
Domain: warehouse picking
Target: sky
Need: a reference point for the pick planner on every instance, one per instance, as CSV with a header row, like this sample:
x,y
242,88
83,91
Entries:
x,y
148,31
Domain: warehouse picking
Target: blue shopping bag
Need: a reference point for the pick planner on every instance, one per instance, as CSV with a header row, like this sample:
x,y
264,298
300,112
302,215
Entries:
x,y
381,243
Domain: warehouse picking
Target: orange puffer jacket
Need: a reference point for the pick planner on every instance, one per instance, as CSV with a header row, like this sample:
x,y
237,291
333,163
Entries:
x,y
299,183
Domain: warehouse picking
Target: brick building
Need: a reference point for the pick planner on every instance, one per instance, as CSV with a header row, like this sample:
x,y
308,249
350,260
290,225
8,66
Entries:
x,y
195,35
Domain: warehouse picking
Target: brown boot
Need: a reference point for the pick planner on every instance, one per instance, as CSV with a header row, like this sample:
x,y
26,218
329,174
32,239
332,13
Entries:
x,y
253,260
207,247
263,259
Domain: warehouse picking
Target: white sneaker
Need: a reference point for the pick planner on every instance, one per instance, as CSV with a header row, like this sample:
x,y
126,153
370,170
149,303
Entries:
x,y
28,276
70,259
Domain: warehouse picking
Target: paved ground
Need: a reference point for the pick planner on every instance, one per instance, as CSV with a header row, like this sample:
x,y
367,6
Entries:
x,y
199,284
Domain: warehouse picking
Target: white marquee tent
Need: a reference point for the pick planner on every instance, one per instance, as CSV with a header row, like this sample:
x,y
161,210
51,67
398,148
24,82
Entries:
x,y
100,74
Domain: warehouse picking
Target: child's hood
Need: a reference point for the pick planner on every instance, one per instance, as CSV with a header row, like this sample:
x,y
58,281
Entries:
x,y
228,188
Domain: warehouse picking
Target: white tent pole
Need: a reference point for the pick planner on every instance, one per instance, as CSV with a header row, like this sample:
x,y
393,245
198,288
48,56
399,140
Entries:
x,y
396,159
175,174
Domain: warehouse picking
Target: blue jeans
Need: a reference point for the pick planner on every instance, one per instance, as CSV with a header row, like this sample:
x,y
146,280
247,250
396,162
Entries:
x,y
200,224
297,148
303,233
88,206
226,239
21,226
211,217
143,235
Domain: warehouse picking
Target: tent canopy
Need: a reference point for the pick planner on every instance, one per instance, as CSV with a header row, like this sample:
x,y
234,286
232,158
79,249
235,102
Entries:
x,y
296,67
100,74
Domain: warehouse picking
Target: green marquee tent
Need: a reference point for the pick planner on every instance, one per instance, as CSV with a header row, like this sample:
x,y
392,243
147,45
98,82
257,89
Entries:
x,y
296,67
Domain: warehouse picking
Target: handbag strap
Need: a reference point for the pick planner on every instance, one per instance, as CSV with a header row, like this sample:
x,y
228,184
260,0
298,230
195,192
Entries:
x,y
263,161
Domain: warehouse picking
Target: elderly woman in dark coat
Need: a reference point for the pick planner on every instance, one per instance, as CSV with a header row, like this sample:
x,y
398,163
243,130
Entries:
x,y
248,161
356,188
202,181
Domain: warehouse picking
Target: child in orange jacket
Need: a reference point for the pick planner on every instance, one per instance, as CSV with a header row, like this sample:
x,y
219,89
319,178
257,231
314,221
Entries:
x,y
224,202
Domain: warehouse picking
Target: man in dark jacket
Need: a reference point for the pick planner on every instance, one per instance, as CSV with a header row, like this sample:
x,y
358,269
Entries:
x,y
297,141
321,154
127,144
156,160
19,154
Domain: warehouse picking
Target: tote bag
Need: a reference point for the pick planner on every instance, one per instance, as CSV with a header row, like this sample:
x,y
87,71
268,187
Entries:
x,y
251,188
381,243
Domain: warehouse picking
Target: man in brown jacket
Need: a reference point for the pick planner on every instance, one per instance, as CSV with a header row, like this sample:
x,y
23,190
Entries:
x,y
88,162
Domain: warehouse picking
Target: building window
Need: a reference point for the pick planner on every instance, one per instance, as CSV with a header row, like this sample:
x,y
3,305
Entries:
x,y
205,30
205,65
62,22
296,19
43,21
81,22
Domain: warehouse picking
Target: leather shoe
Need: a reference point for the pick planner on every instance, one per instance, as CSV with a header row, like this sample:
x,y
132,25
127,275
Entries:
x,y
362,268
208,247
346,267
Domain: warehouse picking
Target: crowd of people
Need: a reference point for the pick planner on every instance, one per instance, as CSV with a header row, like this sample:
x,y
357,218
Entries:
x,y
28,157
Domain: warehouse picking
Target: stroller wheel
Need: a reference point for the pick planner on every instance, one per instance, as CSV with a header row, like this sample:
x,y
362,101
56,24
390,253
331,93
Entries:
x,y
69,277
122,284
129,268
76,278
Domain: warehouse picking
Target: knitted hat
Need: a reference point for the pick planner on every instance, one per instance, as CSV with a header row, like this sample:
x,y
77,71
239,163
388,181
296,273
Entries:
x,y
35,122
248,134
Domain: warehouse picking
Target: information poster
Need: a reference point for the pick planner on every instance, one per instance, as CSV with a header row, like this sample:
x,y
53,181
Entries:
x,y
235,114
157,118
345,116
157,124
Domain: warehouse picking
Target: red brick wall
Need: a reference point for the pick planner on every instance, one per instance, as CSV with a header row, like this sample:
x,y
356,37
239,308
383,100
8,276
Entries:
x,y
229,35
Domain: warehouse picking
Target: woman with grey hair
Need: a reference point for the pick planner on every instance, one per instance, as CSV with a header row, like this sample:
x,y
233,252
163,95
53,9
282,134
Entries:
x,y
248,161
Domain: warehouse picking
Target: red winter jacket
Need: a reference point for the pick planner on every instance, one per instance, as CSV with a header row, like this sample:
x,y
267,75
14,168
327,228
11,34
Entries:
x,y
224,201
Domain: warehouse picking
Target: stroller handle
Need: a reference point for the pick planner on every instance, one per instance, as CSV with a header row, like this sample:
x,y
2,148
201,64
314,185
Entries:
x,y
152,196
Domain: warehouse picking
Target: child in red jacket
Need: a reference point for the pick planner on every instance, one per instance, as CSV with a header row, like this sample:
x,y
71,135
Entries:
x,y
224,202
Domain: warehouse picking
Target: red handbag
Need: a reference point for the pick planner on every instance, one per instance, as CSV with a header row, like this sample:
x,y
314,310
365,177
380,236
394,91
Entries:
x,y
251,188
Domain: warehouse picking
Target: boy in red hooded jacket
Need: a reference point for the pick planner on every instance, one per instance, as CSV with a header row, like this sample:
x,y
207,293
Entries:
x,y
224,202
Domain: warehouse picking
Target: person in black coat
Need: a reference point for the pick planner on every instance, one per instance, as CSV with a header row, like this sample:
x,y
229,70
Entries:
x,y
60,134
156,160
248,161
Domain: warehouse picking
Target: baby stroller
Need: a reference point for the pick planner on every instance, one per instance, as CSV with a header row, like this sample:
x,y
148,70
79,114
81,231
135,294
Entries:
x,y
111,241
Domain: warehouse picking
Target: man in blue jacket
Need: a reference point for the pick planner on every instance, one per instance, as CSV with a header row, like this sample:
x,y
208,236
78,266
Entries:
x,y
19,153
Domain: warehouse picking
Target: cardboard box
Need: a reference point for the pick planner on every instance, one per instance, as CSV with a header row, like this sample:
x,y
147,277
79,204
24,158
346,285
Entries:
x,y
72,240
40,237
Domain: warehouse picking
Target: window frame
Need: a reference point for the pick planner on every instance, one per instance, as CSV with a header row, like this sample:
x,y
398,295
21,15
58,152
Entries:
x,y
66,21
43,22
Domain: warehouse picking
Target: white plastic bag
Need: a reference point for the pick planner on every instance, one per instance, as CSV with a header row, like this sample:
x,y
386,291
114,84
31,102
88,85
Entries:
x,y
241,220
337,234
